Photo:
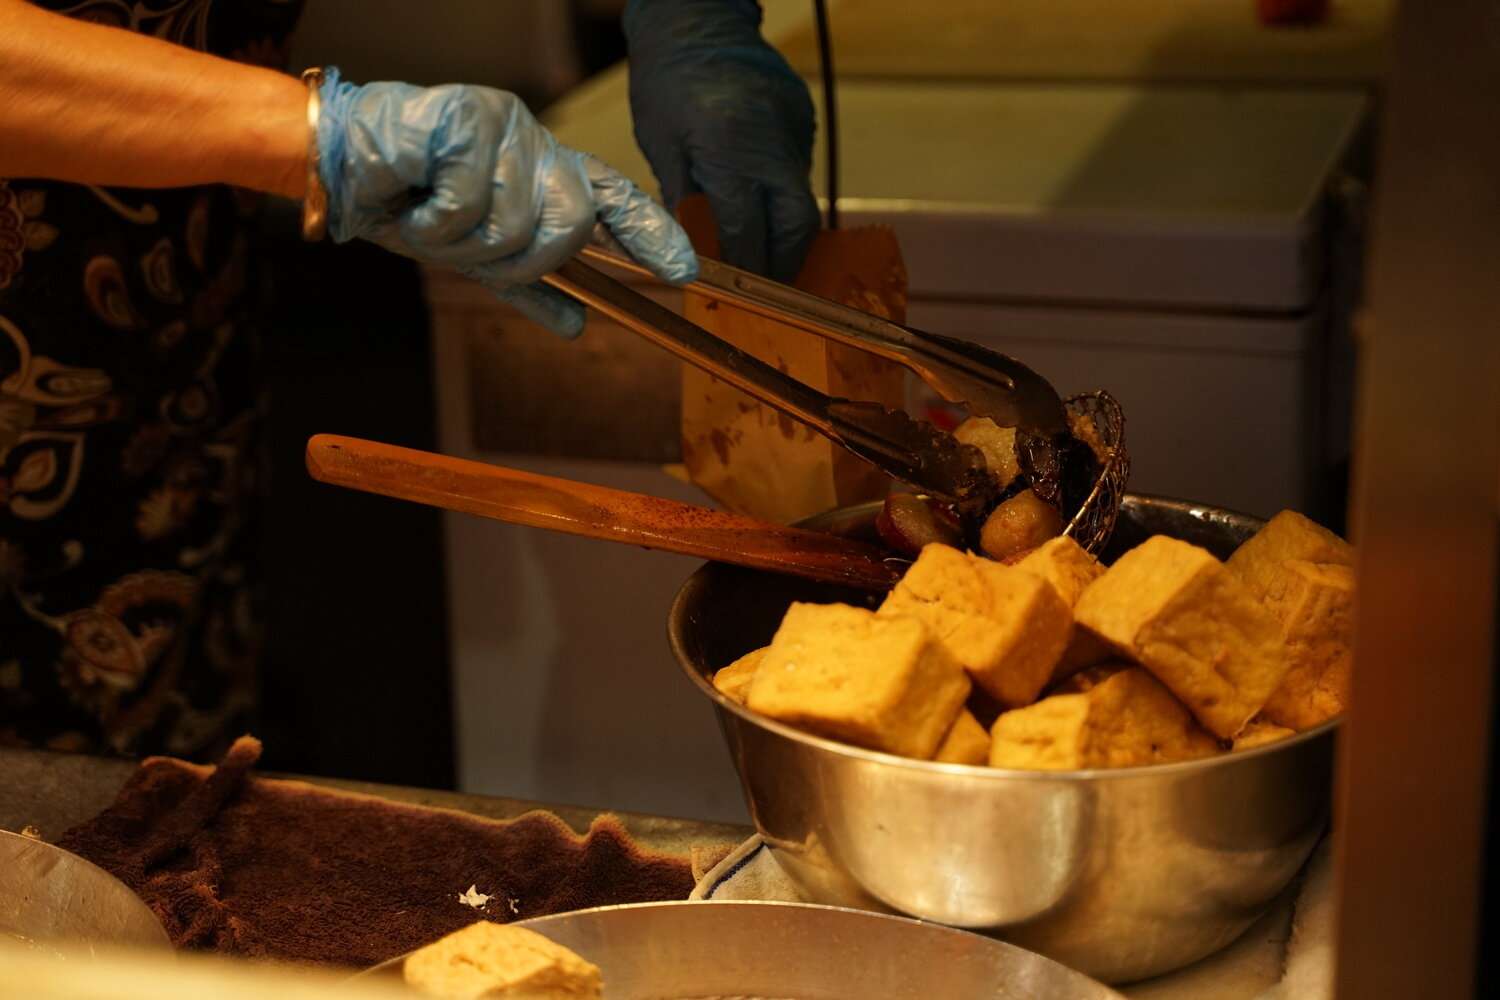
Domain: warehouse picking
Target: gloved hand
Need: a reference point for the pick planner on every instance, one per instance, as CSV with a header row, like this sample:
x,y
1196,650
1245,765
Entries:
x,y
718,111
465,176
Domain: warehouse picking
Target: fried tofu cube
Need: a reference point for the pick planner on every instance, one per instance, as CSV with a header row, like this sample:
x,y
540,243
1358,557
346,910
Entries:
x,y
966,743
1127,719
1018,525
1066,565
879,682
1047,736
1304,574
1007,628
497,960
1135,720
1176,610
1314,603
998,444
1285,537
733,681
1259,732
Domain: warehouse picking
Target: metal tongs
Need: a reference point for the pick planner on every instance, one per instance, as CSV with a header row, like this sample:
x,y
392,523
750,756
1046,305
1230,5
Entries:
x,y
987,382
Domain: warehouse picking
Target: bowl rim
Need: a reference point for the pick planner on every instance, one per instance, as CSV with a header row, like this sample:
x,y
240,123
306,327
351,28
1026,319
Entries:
x,y
1228,758
540,923
105,881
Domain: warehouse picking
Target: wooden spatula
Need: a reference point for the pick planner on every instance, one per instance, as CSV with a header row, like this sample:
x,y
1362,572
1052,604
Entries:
x,y
575,508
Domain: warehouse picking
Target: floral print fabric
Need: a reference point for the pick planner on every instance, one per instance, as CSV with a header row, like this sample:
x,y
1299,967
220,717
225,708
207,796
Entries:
x,y
128,416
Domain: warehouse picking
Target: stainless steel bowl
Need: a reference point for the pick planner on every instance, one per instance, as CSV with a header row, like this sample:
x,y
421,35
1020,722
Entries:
x,y
1123,874
49,896
661,951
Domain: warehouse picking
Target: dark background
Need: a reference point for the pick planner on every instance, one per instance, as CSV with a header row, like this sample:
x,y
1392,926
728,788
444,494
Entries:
x,y
356,679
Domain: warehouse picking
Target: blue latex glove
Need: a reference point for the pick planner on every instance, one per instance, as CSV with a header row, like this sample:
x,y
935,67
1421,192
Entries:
x,y
718,111
465,176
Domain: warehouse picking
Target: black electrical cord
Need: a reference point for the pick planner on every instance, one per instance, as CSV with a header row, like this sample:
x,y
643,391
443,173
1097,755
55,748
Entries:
x,y
830,111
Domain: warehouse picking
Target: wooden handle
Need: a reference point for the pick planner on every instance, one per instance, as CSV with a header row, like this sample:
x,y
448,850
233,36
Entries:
x,y
575,508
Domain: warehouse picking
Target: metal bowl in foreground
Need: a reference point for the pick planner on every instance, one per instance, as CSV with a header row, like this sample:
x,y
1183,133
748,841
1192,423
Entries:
x,y
1123,874
667,951
49,897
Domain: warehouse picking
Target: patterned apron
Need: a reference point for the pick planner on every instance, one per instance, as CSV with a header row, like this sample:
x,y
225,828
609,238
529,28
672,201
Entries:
x,y
128,438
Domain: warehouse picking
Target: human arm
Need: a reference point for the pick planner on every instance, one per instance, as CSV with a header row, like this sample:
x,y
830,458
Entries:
x,y
96,105
454,175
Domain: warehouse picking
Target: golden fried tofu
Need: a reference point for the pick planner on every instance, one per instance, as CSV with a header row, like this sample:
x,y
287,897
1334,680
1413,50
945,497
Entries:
x,y
1304,575
880,682
734,680
1007,628
1259,732
997,443
1018,525
1288,536
1176,610
1127,719
1314,603
966,742
1049,736
1065,564
497,960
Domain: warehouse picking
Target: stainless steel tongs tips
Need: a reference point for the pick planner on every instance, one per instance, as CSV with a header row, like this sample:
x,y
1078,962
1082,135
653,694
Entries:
x,y
986,382
918,454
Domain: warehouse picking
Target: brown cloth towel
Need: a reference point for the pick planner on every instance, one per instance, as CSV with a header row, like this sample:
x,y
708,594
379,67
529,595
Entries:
x,y
262,868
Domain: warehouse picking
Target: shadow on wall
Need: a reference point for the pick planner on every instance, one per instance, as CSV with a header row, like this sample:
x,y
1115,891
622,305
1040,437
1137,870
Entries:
x,y
357,677
355,680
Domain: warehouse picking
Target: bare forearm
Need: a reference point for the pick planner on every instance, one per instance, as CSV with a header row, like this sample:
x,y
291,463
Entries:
x,y
96,105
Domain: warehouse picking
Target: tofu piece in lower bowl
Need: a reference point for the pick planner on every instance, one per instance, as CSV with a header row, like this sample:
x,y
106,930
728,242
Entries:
x,y
1006,627
1070,569
733,681
878,682
1179,612
1314,604
967,742
1259,733
1126,719
1065,564
1287,536
487,959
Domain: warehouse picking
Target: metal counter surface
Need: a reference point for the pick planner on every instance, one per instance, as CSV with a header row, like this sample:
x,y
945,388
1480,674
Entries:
x,y
54,792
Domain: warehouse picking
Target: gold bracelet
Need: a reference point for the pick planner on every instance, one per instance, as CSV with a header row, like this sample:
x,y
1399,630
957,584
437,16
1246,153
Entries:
x,y
315,202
